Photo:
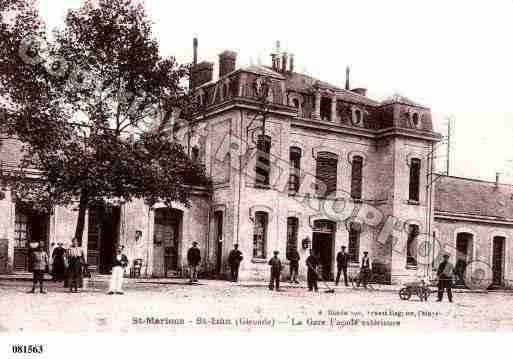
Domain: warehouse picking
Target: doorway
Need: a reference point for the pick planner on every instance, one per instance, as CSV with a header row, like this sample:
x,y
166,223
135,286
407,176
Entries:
x,y
166,242
102,237
498,261
322,244
30,227
464,250
218,235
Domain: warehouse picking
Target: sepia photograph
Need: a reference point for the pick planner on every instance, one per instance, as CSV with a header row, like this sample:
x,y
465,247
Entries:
x,y
256,167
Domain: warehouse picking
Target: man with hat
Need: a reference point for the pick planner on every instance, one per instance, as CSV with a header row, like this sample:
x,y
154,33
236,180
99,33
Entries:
x,y
445,272
276,267
342,260
193,259
365,270
234,259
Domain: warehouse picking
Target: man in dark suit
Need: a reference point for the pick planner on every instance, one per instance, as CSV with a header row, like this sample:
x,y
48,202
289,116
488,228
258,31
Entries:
x,y
193,259
342,260
234,259
312,262
365,270
293,257
276,267
445,272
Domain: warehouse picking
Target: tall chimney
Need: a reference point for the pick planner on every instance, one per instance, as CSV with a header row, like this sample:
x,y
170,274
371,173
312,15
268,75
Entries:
x,y
284,62
347,77
497,179
291,67
227,62
195,51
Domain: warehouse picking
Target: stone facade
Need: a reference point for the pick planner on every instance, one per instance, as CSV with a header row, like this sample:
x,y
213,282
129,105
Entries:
x,y
393,139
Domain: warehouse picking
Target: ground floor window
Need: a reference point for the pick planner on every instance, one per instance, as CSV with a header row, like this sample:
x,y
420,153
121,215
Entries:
x,y
354,244
292,226
411,245
260,235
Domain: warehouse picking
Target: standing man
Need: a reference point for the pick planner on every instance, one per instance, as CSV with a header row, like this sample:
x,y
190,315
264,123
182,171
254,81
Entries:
x,y
119,264
312,262
234,259
276,267
39,260
445,272
294,265
365,270
342,260
193,259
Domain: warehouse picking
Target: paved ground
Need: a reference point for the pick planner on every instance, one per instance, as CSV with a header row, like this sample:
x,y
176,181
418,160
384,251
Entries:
x,y
176,306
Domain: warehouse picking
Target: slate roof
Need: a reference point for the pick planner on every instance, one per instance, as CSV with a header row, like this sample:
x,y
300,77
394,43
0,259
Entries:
x,y
303,83
474,197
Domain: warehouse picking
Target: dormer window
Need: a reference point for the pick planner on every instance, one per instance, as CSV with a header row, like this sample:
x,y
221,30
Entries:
x,y
325,109
357,117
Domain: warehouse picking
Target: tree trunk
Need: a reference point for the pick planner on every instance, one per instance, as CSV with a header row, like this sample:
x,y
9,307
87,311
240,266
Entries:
x,y
82,208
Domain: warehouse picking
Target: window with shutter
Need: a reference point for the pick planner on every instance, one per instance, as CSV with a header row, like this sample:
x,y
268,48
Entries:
x,y
356,177
292,226
354,245
263,168
414,179
295,168
326,172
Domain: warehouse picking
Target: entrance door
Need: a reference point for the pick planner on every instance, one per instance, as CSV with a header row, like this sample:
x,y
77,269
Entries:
x,y
102,237
498,261
463,255
29,227
218,222
166,242
322,245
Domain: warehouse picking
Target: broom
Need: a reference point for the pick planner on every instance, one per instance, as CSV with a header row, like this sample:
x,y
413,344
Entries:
x,y
328,288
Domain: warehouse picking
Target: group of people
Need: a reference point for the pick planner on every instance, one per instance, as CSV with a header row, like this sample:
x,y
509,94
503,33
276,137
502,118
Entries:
x,y
313,266
69,266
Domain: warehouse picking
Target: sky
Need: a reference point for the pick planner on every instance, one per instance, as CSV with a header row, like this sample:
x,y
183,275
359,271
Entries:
x,y
454,57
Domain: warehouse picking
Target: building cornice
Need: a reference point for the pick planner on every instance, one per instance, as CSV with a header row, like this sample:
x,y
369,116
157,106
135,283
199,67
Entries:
x,y
472,218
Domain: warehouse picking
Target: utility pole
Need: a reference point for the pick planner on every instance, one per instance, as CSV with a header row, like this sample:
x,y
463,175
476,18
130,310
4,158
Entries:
x,y
448,155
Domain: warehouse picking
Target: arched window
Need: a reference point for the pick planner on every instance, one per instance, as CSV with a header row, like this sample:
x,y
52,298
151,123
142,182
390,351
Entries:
x,y
295,168
326,173
356,177
260,235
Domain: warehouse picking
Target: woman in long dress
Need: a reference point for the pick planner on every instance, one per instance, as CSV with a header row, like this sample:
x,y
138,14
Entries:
x,y
76,260
59,263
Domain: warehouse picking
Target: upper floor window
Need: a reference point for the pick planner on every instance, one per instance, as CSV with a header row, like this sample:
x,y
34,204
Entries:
x,y
263,162
325,109
356,177
411,245
295,168
260,235
326,172
414,179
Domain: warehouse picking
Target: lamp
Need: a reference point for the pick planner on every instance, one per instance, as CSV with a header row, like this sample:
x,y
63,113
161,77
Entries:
x,y
138,235
305,243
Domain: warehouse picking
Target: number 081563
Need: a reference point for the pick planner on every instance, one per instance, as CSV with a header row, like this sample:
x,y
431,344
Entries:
x,y
27,349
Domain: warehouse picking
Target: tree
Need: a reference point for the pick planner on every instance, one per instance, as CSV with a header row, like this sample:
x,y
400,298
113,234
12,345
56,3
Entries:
x,y
85,103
